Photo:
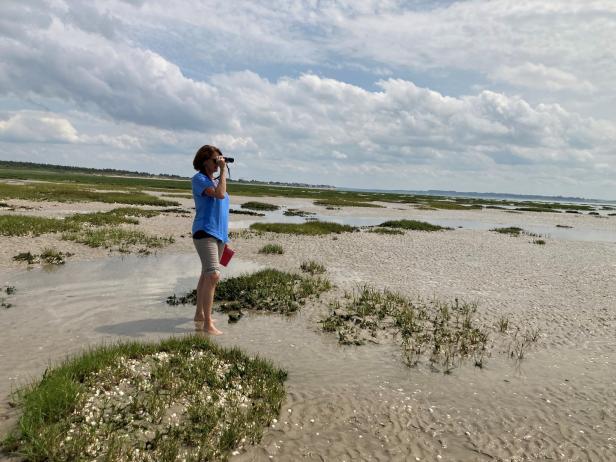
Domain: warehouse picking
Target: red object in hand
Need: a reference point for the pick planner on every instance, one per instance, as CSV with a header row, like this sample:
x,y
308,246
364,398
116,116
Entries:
x,y
226,255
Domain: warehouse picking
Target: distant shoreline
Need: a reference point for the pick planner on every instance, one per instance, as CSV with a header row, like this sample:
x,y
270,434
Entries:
x,y
430,192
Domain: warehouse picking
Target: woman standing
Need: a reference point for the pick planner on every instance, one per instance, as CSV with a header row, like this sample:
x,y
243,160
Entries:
x,y
210,228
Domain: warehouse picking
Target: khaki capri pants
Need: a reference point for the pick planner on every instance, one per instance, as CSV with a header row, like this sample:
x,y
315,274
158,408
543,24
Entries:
x,y
210,251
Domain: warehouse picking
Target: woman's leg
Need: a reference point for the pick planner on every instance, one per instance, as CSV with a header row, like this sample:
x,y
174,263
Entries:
x,y
199,316
209,286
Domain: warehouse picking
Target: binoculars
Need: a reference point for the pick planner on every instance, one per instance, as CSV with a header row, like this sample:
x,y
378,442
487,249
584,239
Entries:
x,y
228,160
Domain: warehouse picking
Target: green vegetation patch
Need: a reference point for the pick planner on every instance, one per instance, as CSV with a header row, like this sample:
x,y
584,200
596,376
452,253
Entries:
x,y
337,202
108,237
271,290
539,241
253,205
311,228
511,230
297,213
272,249
246,212
445,333
50,256
450,205
379,230
180,399
265,290
312,267
77,193
113,217
414,225
22,225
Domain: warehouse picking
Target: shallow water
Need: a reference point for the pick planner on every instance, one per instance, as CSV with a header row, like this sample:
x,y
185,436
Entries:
x,y
549,231
344,403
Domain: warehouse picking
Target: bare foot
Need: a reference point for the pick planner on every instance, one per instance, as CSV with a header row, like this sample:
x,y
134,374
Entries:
x,y
199,326
211,329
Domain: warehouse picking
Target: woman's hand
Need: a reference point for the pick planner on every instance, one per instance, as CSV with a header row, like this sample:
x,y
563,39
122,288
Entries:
x,y
220,161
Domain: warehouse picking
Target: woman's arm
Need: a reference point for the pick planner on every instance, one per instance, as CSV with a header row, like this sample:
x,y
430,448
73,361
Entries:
x,y
220,190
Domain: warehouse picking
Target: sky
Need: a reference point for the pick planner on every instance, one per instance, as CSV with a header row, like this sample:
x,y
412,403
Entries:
x,y
512,96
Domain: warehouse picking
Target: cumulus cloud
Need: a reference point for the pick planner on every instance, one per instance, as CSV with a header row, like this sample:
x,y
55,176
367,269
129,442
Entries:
x,y
36,127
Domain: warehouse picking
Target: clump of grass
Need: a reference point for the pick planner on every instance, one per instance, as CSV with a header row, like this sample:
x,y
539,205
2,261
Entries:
x,y
253,205
27,257
113,217
53,257
522,341
265,290
108,237
379,230
4,204
503,324
312,267
564,226
412,225
10,290
183,398
447,333
21,225
512,230
297,213
270,249
539,241
242,234
271,290
246,212
311,228
335,202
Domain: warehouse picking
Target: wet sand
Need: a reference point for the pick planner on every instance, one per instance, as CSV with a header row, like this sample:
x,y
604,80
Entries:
x,y
362,403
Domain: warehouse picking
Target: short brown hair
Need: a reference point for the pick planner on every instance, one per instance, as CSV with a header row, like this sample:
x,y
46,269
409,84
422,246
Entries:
x,y
204,153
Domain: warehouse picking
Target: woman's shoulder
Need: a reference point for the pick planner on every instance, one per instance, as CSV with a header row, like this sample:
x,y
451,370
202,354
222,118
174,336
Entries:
x,y
200,178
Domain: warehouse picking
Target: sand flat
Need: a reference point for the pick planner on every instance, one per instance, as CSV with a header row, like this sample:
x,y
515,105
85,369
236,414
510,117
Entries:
x,y
362,403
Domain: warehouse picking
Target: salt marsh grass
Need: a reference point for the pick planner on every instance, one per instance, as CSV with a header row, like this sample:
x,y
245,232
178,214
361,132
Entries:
x,y
52,256
297,213
261,206
312,267
22,225
311,228
77,193
180,399
445,333
381,230
337,202
246,212
271,290
108,237
414,225
511,230
271,249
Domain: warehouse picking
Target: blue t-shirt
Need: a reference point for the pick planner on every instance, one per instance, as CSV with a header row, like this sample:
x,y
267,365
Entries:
x,y
212,215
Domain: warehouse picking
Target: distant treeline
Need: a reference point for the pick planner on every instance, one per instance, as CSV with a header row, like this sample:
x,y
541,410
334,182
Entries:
x,y
10,164
68,168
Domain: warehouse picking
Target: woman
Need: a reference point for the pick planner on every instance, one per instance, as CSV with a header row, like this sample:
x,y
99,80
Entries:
x,y
210,228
